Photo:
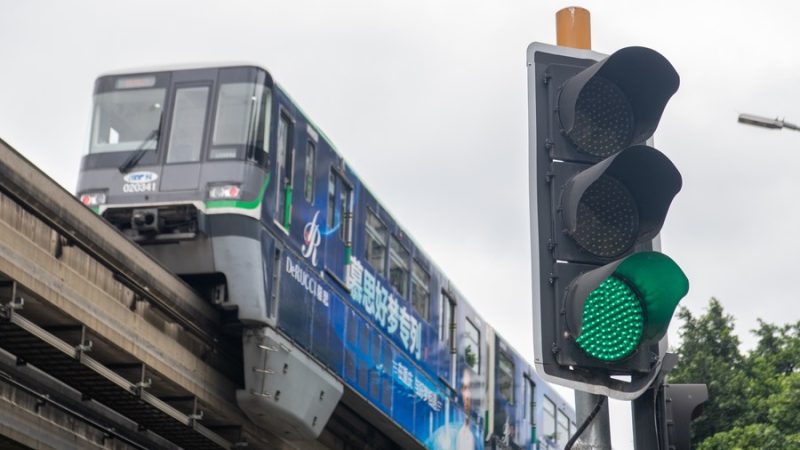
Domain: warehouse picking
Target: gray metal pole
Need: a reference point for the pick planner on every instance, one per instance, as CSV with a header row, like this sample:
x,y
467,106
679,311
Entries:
x,y
598,435
649,425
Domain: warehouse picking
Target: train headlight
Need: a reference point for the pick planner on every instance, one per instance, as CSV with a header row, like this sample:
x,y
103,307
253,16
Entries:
x,y
224,192
93,198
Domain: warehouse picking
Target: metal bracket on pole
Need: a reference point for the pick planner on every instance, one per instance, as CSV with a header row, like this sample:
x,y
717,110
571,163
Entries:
x,y
648,411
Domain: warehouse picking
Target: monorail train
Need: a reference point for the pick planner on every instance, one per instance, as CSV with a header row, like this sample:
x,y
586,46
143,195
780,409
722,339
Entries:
x,y
217,173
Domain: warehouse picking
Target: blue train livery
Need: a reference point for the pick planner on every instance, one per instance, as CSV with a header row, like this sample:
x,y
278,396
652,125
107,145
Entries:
x,y
346,325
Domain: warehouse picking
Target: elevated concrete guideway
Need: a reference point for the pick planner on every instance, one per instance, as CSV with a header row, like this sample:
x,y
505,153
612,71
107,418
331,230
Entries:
x,y
33,190
83,304
102,347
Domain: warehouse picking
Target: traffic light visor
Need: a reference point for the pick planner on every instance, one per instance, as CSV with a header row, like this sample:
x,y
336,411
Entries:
x,y
616,102
622,200
661,284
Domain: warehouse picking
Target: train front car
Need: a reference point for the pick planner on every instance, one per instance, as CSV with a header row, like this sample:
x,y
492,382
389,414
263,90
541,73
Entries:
x,y
180,162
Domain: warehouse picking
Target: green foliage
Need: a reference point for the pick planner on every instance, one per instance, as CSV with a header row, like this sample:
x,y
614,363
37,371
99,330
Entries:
x,y
784,405
709,353
755,436
779,346
754,399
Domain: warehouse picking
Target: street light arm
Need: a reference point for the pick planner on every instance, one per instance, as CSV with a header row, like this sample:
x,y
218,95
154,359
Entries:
x,y
764,122
791,126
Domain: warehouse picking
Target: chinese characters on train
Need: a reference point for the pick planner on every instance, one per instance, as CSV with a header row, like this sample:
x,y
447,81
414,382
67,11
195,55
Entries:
x,y
417,384
384,308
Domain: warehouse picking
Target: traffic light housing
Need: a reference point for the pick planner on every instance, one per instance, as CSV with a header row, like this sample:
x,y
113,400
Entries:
x,y
683,404
603,299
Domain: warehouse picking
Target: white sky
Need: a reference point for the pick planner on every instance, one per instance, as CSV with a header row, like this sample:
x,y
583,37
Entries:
x,y
427,100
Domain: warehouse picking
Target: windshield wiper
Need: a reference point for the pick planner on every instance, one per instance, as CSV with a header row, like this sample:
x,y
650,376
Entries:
x,y
133,160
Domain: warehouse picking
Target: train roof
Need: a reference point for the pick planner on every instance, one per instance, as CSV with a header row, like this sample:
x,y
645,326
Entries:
x,y
182,66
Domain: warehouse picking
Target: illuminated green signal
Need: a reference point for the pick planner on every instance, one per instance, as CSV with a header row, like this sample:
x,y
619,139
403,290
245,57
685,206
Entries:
x,y
612,310
613,321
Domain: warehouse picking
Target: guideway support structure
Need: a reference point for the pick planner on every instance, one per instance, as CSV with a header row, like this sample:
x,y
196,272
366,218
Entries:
x,y
83,304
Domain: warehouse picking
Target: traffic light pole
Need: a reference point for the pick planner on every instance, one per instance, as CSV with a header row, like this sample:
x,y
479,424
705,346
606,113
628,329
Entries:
x,y
597,435
649,411
573,29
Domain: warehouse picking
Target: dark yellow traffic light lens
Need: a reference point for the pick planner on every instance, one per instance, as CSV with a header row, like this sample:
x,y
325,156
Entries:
x,y
603,119
607,221
613,321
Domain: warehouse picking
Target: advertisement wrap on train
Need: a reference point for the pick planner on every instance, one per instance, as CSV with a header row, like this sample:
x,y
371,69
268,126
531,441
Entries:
x,y
219,175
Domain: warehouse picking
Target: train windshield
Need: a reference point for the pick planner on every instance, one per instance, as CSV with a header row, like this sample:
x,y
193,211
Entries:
x,y
242,120
126,120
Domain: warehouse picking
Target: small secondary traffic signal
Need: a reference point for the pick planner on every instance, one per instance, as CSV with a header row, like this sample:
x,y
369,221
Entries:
x,y
683,404
599,196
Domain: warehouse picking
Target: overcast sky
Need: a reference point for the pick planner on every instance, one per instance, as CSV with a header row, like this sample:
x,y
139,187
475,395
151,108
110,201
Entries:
x,y
427,101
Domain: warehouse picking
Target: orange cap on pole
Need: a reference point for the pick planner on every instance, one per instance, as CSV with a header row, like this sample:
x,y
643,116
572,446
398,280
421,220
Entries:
x,y
573,28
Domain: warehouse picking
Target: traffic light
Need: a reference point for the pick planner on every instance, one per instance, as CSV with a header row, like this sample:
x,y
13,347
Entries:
x,y
683,404
603,299
663,415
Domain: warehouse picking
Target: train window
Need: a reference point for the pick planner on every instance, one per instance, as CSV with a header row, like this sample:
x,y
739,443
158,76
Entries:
x,y
345,208
447,322
530,398
331,199
126,120
562,432
188,121
376,236
339,219
239,121
398,266
549,419
308,177
421,291
472,346
505,376
525,395
283,171
447,331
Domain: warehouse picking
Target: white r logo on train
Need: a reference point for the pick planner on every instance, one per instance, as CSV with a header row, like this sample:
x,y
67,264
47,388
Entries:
x,y
311,239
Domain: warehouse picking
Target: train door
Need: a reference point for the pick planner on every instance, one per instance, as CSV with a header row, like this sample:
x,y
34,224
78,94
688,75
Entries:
x,y
187,130
339,224
272,266
284,170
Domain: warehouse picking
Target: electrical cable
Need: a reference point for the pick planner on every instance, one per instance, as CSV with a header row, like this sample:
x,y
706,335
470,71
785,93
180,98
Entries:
x,y
585,423
655,414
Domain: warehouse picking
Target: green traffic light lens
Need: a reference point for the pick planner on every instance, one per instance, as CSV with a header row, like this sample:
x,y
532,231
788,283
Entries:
x,y
613,321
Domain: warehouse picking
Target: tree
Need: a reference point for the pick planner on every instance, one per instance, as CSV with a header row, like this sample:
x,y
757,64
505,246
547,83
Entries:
x,y
784,405
776,356
754,400
755,436
709,353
